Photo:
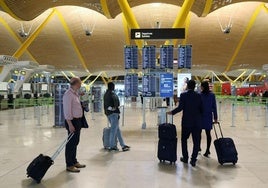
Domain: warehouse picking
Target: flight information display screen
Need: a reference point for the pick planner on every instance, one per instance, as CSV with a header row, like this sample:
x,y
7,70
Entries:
x,y
185,56
131,85
166,57
131,57
149,85
149,57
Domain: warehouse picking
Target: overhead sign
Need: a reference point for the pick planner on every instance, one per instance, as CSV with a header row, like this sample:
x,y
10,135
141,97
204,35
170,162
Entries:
x,y
159,33
6,60
166,85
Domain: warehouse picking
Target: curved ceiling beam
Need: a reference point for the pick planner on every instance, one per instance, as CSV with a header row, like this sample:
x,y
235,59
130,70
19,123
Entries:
x,y
244,36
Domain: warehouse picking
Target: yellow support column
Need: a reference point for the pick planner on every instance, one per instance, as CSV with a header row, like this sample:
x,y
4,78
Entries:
x,y
126,30
227,77
240,76
33,36
91,83
104,80
207,8
217,77
12,33
83,81
69,34
64,74
182,15
105,8
130,18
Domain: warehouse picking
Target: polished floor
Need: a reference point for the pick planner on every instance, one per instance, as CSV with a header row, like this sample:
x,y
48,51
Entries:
x,y
23,137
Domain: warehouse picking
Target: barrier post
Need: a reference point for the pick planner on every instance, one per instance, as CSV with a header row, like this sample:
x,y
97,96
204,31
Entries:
x,y
143,114
247,111
24,111
123,115
39,116
233,115
219,107
266,114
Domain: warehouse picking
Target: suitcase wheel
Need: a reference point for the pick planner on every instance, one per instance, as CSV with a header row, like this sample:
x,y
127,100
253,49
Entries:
x,y
221,163
234,163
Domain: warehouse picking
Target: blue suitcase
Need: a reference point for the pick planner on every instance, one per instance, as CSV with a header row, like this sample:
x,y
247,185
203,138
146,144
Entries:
x,y
225,148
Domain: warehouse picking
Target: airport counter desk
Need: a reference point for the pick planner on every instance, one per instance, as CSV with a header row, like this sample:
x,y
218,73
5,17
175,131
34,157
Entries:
x,y
23,103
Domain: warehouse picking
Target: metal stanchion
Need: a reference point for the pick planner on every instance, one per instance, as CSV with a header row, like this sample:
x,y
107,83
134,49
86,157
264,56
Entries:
x,y
14,106
123,115
266,115
143,114
219,106
24,111
92,111
233,115
247,111
39,116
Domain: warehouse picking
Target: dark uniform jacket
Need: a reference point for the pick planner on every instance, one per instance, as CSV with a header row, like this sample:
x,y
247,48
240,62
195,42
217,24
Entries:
x,y
191,105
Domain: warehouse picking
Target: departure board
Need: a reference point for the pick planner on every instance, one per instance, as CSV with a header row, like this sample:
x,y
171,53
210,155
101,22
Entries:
x,y
131,85
166,56
149,57
131,57
149,85
185,56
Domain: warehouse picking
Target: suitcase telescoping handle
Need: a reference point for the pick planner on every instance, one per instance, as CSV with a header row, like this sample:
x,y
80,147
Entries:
x,y
168,119
63,144
214,126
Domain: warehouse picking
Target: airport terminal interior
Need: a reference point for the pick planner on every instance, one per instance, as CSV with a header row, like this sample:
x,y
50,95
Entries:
x,y
149,49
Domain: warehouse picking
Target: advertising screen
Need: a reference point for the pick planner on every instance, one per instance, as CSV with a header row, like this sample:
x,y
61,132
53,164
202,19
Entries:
x,y
182,80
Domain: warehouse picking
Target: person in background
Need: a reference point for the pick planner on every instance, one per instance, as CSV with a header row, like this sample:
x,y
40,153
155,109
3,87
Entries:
x,y
209,113
73,113
191,105
111,109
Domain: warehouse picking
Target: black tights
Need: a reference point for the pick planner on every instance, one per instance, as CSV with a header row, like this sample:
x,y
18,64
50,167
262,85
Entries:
x,y
208,139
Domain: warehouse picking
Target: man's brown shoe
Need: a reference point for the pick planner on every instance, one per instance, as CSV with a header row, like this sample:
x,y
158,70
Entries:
x,y
78,165
72,169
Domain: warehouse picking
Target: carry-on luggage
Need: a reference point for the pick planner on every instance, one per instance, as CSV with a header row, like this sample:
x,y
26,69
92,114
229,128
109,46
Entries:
x,y
106,136
225,148
39,166
167,144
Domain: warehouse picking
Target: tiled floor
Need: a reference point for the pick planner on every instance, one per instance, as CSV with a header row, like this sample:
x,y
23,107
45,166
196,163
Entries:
x,y
21,139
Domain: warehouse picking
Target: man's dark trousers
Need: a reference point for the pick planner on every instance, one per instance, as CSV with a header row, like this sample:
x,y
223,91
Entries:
x,y
185,134
71,147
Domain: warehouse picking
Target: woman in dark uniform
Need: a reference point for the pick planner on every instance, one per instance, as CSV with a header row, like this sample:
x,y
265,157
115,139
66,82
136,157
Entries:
x,y
209,112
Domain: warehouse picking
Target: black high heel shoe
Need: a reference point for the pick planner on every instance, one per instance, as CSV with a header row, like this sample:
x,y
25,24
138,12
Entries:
x,y
207,153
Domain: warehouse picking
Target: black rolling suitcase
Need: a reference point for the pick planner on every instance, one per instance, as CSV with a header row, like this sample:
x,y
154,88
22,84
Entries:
x,y
39,166
167,144
225,148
